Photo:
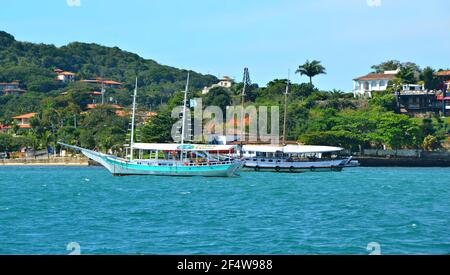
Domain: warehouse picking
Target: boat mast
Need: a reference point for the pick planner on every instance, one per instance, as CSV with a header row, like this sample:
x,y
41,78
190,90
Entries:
x,y
133,120
246,81
285,107
183,132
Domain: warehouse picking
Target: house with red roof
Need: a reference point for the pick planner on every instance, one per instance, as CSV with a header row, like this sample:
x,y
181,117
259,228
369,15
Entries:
x,y
444,78
444,75
24,120
373,82
65,76
106,83
119,110
11,88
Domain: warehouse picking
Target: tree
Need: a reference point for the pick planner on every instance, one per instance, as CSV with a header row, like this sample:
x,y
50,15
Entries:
x,y
311,69
392,65
46,139
6,142
218,97
407,75
387,101
397,130
389,65
159,128
33,141
345,139
431,143
427,128
431,81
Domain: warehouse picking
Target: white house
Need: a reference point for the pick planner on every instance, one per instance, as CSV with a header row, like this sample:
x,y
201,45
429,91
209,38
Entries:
x,y
373,82
64,76
225,82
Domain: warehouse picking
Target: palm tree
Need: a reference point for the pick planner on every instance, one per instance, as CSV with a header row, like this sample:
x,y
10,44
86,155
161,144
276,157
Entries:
x,y
45,138
336,94
311,69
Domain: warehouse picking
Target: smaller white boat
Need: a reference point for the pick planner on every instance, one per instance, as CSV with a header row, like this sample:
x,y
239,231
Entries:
x,y
293,158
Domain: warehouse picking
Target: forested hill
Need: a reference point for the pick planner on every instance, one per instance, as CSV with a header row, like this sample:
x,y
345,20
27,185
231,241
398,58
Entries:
x,y
33,65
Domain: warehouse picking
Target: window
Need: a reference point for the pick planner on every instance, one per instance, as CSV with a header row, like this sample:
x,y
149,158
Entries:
x,y
374,83
383,83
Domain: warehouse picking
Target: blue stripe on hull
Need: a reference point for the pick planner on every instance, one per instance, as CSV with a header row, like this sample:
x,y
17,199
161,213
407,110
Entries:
x,y
118,167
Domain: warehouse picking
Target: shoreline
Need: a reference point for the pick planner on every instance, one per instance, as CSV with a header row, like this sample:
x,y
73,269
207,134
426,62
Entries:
x,y
65,161
364,162
44,164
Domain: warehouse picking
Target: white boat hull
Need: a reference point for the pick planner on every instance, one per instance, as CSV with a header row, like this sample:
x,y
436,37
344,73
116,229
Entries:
x,y
296,167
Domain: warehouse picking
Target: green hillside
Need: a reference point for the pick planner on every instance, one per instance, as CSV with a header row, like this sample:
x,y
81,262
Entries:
x,y
33,65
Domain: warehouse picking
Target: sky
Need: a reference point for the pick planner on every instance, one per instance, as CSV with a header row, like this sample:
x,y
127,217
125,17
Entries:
x,y
270,37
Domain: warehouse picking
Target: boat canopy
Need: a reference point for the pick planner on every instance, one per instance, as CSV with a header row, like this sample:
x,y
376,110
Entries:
x,y
262,148
185,147
291,149
303,149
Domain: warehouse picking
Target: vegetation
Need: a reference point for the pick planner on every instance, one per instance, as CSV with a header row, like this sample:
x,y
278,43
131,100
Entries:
x,y
315,116
311,69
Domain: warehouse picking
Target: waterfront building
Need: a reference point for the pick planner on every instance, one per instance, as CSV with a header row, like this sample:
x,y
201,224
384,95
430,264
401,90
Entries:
x,y
414,99
444,76
225,82
24,120
444,103
373,82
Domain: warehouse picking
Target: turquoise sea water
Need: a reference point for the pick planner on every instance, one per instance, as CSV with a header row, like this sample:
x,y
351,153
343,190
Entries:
x,y
405,210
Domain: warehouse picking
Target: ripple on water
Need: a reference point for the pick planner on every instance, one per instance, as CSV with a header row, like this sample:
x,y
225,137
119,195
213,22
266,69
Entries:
x,y
257,213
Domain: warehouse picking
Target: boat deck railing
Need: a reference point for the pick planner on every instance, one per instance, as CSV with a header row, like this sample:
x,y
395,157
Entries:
x,y
174,163
280,160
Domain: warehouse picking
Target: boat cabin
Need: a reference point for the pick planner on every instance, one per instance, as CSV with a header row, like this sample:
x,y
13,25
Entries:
x,y
189,154
289,153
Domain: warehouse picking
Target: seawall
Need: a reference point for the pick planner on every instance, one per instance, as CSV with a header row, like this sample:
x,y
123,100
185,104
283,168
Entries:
x,y
402,162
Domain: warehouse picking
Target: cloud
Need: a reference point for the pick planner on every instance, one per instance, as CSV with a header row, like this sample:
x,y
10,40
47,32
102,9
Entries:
x,y
374,3
73,3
